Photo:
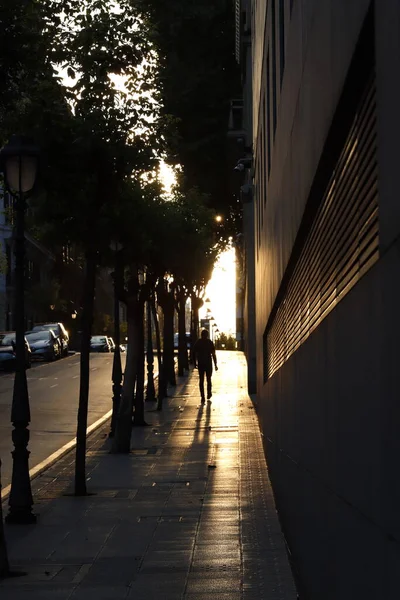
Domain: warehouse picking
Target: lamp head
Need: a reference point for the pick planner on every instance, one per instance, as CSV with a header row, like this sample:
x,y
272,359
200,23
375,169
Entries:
x,y
19,162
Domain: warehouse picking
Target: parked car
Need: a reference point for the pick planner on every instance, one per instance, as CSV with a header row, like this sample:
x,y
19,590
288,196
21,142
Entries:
x,y
60,332
176,339
7,351
44,344
99,343
112,344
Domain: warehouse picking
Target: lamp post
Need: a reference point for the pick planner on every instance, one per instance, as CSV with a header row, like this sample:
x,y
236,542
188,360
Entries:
x,y
150,390
19,160
213,328
4,566
117,368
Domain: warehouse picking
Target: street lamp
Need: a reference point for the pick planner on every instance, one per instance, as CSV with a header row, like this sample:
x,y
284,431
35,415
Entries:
x,y
117,367
19,160
73,315
4,566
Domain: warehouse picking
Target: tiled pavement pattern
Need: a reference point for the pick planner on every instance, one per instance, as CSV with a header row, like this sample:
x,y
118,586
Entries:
x,y
189,514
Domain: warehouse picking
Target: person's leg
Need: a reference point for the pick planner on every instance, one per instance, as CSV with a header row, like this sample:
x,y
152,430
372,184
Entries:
x,y
201,383
209,390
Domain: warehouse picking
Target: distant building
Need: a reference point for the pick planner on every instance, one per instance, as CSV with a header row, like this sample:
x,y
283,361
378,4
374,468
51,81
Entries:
x,y
240,137
322,290
39,264
53,282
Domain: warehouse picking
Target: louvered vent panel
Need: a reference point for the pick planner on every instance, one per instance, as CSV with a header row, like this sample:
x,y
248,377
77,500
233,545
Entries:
x,y
237,29
341,246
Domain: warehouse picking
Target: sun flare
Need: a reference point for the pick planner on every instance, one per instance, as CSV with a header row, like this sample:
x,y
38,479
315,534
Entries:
x,y
221,291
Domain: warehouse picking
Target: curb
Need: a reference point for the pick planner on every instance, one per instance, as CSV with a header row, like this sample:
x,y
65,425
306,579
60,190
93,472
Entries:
x,y
50,460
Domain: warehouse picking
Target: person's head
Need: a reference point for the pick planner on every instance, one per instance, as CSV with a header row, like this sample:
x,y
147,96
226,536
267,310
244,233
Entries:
x,y
204,334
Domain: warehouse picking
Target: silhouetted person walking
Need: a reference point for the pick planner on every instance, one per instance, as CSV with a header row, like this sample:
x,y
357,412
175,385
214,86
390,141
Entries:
x,y
204,354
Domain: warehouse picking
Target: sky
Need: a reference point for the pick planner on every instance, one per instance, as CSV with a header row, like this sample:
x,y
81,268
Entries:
x,y
221,291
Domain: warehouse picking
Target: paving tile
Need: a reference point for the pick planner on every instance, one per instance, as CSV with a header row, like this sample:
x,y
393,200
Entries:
x,y
36,593
213,582
235,595
162,523
103,592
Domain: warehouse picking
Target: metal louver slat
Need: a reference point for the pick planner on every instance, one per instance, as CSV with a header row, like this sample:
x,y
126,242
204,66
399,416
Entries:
x,y
341,245
237,30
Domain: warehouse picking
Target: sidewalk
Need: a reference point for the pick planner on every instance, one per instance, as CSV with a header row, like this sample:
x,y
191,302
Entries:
x,y
189,514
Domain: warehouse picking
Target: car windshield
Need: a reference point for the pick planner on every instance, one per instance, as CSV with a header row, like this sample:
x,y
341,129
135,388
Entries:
x,y
47,327
96,339
7,339
40,335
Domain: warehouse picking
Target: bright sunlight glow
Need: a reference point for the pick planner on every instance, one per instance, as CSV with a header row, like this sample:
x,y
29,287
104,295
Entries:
x,y
221,291
168,177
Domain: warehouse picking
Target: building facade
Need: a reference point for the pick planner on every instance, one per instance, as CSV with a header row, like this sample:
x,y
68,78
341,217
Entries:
x,y
39,263
325,220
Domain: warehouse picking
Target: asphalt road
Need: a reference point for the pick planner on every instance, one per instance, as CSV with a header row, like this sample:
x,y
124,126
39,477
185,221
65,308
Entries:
x,y
53,392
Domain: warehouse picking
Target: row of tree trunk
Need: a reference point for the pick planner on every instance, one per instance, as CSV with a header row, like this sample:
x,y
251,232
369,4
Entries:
x,y
131,406
136,294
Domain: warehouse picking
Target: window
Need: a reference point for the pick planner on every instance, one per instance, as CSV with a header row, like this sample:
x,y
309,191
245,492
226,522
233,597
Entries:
x,y
268,115
273,42
265,144
281,38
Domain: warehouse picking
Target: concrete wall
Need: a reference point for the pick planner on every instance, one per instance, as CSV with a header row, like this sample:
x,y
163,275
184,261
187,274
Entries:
x,y
331,415
249,307
330,418
320,41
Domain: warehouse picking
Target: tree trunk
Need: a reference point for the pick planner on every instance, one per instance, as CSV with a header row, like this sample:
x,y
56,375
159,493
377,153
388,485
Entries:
x,y
194,334
86,328
182,344
4,566
162,392
150,390
138,416
169,368
123,431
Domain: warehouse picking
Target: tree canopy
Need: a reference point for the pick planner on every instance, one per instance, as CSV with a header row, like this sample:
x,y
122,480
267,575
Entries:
x,y
107,88
198,78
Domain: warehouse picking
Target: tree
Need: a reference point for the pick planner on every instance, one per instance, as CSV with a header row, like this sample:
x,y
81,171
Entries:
x,y
96,43
25,69
225,342
193,260
198,78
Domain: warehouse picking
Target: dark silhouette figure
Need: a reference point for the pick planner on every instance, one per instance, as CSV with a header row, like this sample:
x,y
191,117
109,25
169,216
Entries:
x,y
203,355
